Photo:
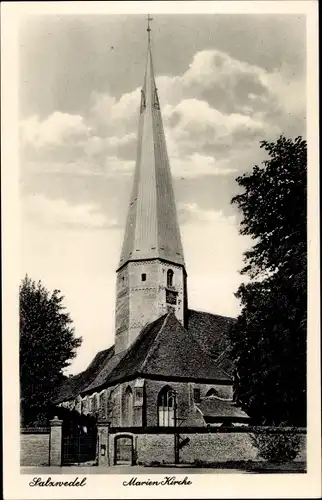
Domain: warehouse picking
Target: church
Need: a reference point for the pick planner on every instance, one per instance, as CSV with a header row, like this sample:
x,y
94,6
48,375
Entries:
x,y
169,364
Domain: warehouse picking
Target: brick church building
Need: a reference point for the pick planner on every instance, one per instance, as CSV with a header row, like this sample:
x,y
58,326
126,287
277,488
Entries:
x,y
169,364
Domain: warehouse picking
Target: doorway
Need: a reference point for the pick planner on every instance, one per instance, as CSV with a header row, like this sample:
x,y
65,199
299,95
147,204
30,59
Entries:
x,y
123,450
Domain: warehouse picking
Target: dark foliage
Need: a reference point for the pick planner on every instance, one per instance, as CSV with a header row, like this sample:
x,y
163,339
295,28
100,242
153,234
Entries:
x,y
277,447
47,345
269,337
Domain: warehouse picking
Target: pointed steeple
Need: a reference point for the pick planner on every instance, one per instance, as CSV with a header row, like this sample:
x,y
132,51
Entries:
x,y
151,277
152,229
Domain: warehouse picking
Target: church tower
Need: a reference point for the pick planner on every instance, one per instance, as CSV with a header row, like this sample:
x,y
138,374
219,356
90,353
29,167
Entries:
x,y
151,277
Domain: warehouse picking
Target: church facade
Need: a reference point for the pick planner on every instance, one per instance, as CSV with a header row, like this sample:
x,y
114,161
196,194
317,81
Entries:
x,y
169,365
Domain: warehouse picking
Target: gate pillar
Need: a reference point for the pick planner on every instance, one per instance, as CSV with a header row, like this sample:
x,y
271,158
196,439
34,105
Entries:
x,y
55,443
103,431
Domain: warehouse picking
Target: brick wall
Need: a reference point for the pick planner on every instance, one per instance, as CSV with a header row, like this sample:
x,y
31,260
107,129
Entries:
x,y
155,448
204,447
34,449
219,447
140,302
122,310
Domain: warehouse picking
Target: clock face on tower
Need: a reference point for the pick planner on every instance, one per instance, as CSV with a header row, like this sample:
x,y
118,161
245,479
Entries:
x,y
171,297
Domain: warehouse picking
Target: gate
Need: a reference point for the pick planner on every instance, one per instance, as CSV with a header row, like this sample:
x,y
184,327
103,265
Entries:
x,y
123,450
79,439
78,449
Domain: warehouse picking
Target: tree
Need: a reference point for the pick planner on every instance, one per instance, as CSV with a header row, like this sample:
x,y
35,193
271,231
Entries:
x,y
47,345
269,337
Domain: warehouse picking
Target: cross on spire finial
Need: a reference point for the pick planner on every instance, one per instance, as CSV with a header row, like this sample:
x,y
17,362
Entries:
x,y
149,19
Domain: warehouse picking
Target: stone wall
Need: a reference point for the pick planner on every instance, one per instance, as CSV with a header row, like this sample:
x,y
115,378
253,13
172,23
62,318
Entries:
x,y
221,447
41,446
205,448
34,449
122,310
218,448
155,448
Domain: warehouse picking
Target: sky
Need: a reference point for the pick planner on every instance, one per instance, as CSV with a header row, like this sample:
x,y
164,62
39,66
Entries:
x,y
225,83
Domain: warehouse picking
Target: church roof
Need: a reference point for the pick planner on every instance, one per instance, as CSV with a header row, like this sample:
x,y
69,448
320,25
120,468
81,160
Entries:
x,y
163,349
152,229
211,333
73,386
212,408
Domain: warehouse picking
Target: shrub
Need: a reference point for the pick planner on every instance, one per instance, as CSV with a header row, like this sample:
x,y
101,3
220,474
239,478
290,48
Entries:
x,y
280,447
154,463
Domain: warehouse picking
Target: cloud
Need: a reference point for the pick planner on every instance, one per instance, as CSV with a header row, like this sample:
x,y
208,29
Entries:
x,y
108,114
196,165
214,114
123,146
39,209
231,85
57,129
195,125
191,213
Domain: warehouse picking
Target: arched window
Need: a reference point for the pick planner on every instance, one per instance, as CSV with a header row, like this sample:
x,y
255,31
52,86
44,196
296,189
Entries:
x,y
102,403
170,277
97,402
110,406
166,409
84,407
211,393
128,408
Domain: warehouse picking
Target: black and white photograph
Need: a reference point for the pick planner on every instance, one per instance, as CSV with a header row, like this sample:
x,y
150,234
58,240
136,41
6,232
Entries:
x,y
163,258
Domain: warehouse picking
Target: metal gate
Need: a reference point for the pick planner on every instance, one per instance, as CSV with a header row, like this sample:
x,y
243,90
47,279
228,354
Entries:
x,y
123,450
79,449
79,440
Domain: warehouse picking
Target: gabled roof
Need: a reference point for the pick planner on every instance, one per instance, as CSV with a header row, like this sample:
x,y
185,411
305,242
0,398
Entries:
x,y
163,349
73,386
152,229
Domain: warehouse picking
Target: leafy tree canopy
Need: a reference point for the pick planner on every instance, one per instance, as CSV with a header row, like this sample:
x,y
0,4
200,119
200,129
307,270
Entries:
x,y
47,346
269,337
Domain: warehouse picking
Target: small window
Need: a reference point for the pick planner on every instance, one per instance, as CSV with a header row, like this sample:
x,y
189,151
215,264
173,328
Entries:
x,y
143,277
170,277
211,393
196,395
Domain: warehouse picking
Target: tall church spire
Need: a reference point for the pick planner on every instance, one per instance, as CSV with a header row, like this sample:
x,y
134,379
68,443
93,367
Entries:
x,y
151,276
152,229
